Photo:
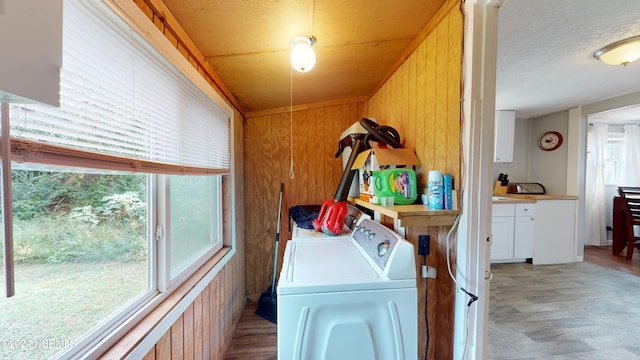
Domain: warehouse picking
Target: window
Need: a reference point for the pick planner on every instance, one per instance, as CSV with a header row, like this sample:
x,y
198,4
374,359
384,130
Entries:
x,y
613,165
117,195
80,253
195,206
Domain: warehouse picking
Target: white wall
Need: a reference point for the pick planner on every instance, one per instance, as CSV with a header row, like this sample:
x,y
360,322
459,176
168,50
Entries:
x,y
530,164
549,167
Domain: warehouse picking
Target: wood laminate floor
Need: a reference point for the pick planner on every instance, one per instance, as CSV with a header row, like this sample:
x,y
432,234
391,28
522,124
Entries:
x,y
603,256
570,311
255,338
586,310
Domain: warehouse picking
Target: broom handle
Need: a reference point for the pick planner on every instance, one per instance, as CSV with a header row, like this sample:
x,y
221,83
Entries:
x,y
275,255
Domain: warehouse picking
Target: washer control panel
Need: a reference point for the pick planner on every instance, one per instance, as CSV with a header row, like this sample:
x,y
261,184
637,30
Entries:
x,y
377,241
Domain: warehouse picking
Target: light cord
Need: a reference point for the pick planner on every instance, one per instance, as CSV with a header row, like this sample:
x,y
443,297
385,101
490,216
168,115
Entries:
x,y
291,172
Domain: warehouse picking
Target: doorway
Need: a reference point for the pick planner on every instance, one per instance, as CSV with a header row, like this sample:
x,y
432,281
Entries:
x,y
613,145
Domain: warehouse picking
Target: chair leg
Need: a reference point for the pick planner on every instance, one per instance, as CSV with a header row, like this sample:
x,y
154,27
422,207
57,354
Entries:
x,y
630,247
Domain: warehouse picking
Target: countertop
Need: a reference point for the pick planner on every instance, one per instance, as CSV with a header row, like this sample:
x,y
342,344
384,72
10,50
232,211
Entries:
x,y
413,215
529,198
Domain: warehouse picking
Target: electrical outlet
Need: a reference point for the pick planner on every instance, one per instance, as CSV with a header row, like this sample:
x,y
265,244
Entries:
x,y
423,244
429,272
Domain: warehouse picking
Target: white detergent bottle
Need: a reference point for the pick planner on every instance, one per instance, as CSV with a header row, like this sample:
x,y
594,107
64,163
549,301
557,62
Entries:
x,y
435,189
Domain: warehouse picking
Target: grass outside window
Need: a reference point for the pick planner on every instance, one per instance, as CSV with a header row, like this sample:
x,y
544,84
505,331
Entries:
x,y
80,251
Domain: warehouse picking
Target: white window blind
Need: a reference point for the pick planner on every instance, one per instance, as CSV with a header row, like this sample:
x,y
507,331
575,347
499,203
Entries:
x,y
120,97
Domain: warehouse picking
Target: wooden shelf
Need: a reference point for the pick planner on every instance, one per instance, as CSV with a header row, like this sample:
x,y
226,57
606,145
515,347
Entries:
x,y
413,215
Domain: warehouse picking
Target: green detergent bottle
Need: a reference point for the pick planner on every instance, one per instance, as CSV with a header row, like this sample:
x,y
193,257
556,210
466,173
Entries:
x,y
397,183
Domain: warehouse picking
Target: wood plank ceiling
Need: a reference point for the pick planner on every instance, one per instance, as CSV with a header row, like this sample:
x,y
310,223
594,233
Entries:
x,y
247,42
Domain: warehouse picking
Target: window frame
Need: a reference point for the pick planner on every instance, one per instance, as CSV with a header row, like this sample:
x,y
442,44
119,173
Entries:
x,y
111,329
163,238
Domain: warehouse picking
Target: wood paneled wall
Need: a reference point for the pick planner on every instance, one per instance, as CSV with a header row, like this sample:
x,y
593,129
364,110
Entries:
x,y
317,172
422,101
205,329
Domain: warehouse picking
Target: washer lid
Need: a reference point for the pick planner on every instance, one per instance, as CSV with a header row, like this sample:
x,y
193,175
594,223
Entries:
x,y
316,266
335,261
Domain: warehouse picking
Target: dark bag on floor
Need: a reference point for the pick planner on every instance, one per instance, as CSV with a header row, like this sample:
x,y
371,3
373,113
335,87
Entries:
x,y
303,215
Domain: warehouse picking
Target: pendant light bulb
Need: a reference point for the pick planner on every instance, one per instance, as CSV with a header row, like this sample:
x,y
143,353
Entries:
x,y
303,58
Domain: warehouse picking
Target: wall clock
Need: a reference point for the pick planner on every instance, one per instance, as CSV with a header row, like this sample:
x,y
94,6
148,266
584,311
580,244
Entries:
x,y
550,140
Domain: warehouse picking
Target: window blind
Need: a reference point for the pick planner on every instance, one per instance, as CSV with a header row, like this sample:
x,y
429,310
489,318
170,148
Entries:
x,y
122,105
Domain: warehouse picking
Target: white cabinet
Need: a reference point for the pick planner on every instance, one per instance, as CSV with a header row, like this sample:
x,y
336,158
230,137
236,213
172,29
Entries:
x,y
523,231
555,232
503,136
512,227
31,43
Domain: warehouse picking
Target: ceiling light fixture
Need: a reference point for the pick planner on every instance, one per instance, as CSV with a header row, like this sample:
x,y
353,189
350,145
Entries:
x,y
303,58
622,52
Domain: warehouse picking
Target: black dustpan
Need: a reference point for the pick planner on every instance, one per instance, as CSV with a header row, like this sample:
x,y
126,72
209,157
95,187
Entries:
x,y
267,306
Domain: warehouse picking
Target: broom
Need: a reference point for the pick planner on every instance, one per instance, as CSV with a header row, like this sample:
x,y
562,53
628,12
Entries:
x,y
267,306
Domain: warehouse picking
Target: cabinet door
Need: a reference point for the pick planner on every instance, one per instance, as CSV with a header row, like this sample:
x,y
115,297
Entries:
x,y
504,134
554,232
502,238
523,237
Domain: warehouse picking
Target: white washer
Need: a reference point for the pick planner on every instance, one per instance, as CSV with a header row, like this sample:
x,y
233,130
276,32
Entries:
x,y
349,298
354,215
